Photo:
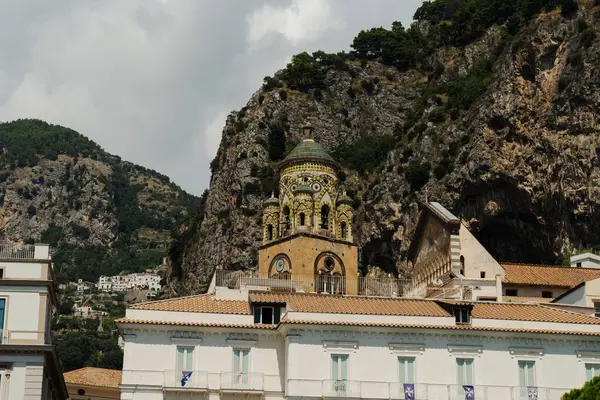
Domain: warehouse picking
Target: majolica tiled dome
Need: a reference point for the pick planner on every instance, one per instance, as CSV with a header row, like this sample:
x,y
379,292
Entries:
x,y
308,150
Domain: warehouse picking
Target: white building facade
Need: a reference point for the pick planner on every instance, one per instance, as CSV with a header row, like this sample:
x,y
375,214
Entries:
x,y
29,367
122,283
283,345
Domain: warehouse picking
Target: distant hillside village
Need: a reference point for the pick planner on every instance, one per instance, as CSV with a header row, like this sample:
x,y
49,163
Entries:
x,y
149,280
89,297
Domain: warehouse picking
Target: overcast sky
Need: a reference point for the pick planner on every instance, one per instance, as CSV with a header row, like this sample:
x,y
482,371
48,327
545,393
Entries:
x,y
153,80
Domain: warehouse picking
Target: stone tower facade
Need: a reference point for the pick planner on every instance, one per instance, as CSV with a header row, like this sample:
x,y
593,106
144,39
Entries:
x,y
308,228
310,199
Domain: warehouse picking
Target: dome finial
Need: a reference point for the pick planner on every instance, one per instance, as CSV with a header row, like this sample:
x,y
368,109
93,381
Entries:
x,y
307,131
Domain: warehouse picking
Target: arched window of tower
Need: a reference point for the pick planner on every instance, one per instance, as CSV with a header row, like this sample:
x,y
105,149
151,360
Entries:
x,y
325,217
302,219
343,230
270,232
286,219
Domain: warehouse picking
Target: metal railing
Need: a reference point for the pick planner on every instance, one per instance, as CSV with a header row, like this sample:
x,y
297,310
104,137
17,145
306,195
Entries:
x,y
174,380
326,284
9,251
420,391
341,388
242,381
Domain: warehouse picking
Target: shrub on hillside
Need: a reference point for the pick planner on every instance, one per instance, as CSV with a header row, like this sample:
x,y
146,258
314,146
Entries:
x,y
417,174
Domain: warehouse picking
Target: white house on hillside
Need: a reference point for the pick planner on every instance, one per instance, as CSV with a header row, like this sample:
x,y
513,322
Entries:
x,y
29,367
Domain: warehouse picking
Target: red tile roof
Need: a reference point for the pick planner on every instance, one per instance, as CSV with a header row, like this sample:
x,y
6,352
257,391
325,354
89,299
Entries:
x,y
203,303
89,376
547,275
315,303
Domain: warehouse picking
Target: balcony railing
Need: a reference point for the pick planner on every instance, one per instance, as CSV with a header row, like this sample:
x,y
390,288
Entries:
x,y
176,380
341,388
326,284
420,391
8,251
242,382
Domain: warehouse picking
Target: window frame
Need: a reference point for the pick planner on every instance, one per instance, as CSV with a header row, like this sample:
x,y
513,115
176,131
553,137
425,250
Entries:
x,y
526,361
464,359
406,377
462,313
275,314
340,356
593,372
508,292
187,356
596,304
547,294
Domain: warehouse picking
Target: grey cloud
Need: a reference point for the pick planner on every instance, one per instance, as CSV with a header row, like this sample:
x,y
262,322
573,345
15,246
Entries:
x,y
152,80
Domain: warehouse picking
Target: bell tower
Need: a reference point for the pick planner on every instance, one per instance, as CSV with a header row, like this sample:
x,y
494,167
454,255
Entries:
x,y
308,229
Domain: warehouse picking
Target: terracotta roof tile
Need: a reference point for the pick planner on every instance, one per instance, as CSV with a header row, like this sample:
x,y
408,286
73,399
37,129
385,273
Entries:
x,y
529,312
547,275
200,324
89,376
351,304
449,327
204,303
522,299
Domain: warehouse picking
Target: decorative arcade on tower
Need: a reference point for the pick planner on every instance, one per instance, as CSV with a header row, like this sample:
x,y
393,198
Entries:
x,y
308,233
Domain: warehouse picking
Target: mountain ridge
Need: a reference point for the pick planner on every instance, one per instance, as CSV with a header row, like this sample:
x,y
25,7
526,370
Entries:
x,y
101,215
485,107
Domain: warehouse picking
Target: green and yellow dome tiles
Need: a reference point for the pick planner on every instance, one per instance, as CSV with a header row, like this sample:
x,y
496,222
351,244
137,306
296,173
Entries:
x,y
309,150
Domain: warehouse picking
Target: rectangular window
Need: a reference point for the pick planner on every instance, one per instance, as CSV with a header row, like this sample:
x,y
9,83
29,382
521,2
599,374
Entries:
x,y
547,294
267,315
462,315
240,365
526,373
482,274
597,308
339,372
185,356
1,273
511,292
464,371
591,371
407,370
339,367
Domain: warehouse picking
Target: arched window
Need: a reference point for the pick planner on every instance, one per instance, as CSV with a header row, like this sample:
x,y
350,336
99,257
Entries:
x,y
325,217
285,275
270,232
343,230
286,218
302,219
462,265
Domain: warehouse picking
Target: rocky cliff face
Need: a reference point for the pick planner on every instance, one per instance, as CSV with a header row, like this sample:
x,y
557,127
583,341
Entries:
x,y
100,214
512,147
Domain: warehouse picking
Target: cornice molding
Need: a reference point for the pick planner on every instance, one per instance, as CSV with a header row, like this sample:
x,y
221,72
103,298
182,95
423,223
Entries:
x,y
524,352
465,350
586,355
340,346
407,348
